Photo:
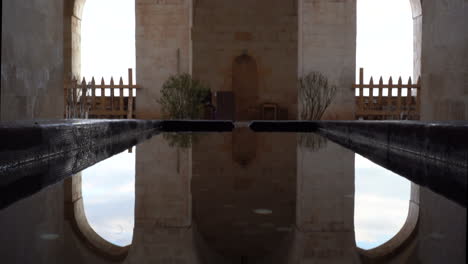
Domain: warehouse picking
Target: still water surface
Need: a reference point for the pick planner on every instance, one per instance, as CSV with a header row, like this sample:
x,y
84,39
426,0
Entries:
x,y
380,198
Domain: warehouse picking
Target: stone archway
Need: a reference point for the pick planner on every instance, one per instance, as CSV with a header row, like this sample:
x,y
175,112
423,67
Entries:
x,y
73,11
403,239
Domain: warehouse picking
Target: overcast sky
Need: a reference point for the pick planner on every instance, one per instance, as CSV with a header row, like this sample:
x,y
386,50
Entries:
x,y
384,47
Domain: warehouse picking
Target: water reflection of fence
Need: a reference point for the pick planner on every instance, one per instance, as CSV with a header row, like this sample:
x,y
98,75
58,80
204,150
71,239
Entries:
x,y
387,101
91,100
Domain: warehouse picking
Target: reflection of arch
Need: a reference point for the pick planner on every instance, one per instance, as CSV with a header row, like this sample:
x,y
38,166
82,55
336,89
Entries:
x,y
407,233
82,229
73,11
403,238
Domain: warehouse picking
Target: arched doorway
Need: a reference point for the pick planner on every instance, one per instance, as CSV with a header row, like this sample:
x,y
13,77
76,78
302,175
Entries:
x,y
76,15
380,234
245,88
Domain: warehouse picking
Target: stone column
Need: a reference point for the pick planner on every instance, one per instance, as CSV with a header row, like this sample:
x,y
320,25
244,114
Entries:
x,y
163,230
444,62
444,68
163,48
31,82
32,62
325,175
327,43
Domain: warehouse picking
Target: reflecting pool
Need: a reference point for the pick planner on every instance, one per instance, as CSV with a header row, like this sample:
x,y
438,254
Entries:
x,y
242,196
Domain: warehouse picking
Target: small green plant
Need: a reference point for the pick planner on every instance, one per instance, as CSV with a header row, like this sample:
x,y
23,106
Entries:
x,y
183,97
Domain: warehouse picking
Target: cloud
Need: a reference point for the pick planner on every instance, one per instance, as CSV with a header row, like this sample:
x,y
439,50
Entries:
x,y
384,34
377,219
108,190
381,203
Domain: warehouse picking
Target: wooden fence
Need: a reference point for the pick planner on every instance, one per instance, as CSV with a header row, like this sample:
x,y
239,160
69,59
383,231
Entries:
x,y
91,100
387,101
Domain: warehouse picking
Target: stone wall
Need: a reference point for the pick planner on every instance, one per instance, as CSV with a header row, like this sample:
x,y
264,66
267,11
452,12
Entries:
x,y
327,43
32,62
31,87
265,30
444,68
444,62
162,48
324,216
235,41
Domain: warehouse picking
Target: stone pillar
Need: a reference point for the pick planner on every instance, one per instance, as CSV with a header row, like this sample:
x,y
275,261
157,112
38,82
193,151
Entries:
x,y
31,82
327,43
325,175
444,68
163,230
163,48
444,62
32,62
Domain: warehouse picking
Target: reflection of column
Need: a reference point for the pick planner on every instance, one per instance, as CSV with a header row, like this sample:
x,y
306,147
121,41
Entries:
x,y
163,227
325,188
325,206
227,195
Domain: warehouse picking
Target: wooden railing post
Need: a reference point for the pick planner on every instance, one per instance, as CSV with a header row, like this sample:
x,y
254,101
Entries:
x,y
121,97
370,100
378,105
102,97
130,94
389,97
112,86
408,97
93,93
81,99
361,89
398,108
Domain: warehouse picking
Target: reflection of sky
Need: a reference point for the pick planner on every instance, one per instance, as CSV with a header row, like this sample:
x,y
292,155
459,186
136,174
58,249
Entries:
x,y
108,190
381,203
381,200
